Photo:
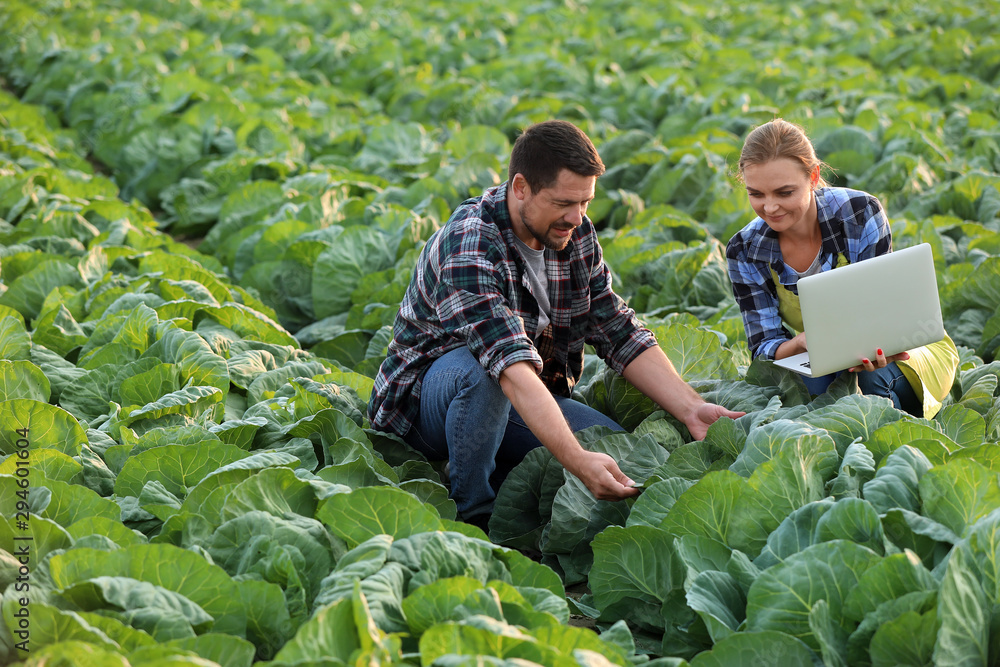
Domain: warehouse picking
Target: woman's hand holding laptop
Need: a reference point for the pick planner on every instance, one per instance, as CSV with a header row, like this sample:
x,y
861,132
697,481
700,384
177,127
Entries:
x,y
880,361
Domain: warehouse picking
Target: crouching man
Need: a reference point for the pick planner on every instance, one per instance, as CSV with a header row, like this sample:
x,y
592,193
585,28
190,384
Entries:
x,y
489,340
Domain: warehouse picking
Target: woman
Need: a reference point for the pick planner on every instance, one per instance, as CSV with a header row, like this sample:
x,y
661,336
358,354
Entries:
x,y
803,227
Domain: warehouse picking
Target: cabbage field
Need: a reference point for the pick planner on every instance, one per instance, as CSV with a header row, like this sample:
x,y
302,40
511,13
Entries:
x,y
209,212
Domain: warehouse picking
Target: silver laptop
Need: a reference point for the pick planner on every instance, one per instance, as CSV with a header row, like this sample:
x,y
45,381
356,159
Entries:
x,y
889,302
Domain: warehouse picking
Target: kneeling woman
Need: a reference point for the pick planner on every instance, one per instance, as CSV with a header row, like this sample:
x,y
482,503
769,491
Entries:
x,y
804,227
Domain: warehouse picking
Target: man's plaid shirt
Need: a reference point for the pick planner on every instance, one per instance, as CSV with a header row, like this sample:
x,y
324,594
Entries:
x,y
469,288
852,224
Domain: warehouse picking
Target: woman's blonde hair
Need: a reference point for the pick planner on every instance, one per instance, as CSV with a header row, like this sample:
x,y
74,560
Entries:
x,y
780,139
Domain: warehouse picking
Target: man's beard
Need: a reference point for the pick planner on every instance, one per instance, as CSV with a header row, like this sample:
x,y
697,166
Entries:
x,y
544,239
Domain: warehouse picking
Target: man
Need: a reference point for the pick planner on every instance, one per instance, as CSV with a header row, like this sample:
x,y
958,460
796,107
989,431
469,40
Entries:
x,y
489,339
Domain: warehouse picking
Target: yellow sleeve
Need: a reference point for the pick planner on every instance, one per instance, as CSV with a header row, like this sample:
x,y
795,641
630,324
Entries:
x,y
930,370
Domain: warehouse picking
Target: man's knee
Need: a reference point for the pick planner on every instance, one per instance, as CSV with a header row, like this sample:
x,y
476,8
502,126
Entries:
x,y
471,375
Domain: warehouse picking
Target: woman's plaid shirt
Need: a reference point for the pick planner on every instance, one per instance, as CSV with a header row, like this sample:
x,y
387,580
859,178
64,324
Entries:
x,y
469,288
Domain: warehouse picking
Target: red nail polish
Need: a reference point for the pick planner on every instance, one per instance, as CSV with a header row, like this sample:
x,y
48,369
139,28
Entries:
x,y
865,361
878,351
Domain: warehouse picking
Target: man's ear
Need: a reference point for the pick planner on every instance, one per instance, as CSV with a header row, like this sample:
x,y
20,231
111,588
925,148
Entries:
x,y
519,187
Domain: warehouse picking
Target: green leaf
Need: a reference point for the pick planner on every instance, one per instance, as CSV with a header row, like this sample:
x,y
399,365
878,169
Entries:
x,y
832,639
52,464
958,493
50,625
929,539
293,552
523,504
77,652
348,347
226,650
727,436
695,353
251,202
690,461
896,484
265,384
850,148
32,425
198,364
482,636
852,519
655,503
907,639
744,649
852,417
24,380
707,508
576,515
28,291
338,270
782,597
856,468
239,432
766,441
432,493
269,625
889,579
435,603
888,438
964,612
719,601
131,595
88,396
46,535
276,491
170,567
191,401
150,385
394,145
634,567
177,467
114,530
15,343
765,373
797,475
474,138
795,533
72,502
580,643
58,331
370,511
331,632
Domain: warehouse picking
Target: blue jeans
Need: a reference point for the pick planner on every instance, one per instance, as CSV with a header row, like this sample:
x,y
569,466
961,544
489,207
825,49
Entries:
x,y
888,382
466,418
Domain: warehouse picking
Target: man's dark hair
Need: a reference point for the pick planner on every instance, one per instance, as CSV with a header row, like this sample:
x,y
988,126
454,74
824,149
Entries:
x,y
544,149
